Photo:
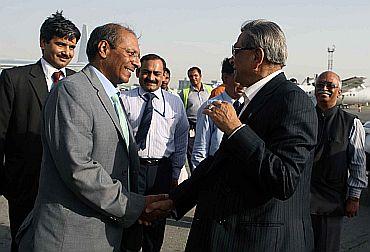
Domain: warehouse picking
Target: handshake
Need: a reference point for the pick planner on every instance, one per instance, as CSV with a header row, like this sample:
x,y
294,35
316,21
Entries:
x,y
156,207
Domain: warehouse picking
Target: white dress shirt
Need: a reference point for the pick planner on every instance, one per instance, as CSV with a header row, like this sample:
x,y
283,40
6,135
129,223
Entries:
x,y
251,92
168,132
49,70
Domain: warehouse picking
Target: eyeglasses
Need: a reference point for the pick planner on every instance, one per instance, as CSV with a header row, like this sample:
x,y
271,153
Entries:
x,y
327,84
235,49
130,53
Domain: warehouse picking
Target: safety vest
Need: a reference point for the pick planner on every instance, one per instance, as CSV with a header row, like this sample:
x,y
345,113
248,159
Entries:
x,y
186,92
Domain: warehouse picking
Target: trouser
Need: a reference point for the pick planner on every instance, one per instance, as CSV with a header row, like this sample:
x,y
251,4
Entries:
x,y
155,176
189,152
327,232
17,214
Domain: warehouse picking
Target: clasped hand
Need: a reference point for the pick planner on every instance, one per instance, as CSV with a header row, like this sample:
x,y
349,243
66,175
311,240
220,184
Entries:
x,y
156,207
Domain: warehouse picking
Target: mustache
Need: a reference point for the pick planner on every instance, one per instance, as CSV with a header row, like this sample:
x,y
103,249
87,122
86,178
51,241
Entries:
x,y
327,92
147,81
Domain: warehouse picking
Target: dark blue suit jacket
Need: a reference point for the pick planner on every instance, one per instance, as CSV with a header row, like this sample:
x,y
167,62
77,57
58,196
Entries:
x,y
254,194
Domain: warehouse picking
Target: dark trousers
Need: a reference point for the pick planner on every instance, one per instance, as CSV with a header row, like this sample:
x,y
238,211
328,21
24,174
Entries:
x,y
17,214
327,231
189,152
155,178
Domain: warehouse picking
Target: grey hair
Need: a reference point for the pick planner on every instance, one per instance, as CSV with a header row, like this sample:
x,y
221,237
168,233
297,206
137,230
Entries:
x,y
267,35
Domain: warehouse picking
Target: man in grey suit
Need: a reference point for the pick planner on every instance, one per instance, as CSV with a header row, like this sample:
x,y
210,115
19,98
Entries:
x,y
253,195
88,183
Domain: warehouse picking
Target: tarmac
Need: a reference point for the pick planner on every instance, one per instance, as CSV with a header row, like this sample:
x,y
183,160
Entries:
x,y
355,233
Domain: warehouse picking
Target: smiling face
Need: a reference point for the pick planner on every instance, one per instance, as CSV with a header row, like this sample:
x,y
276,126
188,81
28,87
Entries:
x,y
151,75
122,60
58,51
195,78
327,90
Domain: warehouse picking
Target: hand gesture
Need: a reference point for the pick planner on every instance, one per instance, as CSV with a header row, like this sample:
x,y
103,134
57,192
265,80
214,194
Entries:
x,y
223,115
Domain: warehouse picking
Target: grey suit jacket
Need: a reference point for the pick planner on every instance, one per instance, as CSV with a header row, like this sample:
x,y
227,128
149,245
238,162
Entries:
x,y
83,203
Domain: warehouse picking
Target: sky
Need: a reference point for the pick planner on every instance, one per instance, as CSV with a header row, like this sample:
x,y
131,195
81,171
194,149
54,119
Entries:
x,y
200,33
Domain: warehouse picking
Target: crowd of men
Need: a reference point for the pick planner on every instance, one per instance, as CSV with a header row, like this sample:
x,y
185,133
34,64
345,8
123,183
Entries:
x,y
88,168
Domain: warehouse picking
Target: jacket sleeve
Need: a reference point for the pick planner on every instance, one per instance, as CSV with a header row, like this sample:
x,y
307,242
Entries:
x,y
68,129
6,106
276,164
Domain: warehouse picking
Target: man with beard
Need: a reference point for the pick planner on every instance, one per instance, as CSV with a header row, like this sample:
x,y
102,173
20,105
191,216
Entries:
x,y
160,127
339,169
253,195
208,137
23,91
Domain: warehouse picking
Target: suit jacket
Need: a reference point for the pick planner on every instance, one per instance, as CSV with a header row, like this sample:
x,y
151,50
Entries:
x,y
83,192
23,91
254,194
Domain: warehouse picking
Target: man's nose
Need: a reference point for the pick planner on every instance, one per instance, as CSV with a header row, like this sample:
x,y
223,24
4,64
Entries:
x,y
136,62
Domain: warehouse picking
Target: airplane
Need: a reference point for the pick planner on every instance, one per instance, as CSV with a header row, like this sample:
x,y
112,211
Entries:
x,y
354,91
76,66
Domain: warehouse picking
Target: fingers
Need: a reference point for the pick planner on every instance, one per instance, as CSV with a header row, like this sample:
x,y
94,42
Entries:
x,y
153,198
164,205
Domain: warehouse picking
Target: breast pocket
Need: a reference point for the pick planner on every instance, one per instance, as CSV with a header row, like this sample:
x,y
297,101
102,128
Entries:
x,y
166,126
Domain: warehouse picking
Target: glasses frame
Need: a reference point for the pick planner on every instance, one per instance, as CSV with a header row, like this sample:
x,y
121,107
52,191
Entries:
x,y
327,84
131,54
235,49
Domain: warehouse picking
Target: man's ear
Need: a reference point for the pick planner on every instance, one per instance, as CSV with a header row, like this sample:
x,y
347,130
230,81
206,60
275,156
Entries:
x,y
42,43
259,55
103,48
137,72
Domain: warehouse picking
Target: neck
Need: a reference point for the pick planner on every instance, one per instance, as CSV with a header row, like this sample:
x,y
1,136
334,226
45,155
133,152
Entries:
x,y
325,106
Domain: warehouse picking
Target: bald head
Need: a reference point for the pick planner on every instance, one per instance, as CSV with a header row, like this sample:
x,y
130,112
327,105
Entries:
x,y
330,75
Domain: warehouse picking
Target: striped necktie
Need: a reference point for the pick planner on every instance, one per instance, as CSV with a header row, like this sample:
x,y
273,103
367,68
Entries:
x,y
145,122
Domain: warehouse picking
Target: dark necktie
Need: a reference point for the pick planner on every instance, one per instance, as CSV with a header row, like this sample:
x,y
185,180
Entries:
x,y
237,106
56,77
145,122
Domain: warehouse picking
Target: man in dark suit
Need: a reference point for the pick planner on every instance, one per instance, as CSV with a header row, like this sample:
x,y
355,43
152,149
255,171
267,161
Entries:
x,y
23,91
254,194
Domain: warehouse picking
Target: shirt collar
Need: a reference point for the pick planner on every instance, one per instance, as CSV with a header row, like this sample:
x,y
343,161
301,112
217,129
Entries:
x,y
49,69
107,85
193,88
251,91
157,93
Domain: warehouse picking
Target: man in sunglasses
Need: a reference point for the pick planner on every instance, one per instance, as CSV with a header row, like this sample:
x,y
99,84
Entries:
x,y
253,194
340,152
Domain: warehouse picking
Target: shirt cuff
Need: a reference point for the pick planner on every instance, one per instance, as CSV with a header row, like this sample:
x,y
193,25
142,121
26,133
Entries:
x,y
354,192
238,128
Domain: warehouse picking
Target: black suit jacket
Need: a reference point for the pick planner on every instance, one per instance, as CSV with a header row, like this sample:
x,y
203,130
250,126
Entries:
x,y
254,194
23,91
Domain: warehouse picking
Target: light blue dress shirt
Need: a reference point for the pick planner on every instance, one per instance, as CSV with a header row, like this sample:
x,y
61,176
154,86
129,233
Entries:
x,y
208,137
168,132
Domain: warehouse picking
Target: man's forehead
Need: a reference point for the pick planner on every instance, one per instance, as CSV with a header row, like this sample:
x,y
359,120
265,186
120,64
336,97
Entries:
x,y
156,63
330,77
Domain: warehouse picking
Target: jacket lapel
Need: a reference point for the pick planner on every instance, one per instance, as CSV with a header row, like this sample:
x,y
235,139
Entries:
x,y
38,82
103,97
262,97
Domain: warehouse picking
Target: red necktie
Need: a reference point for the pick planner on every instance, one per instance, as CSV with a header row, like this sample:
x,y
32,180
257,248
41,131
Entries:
x,y
56,77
